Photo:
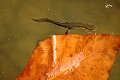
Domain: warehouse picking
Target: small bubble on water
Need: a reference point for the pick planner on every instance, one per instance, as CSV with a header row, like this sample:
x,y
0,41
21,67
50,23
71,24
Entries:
x,y
108,5
48,9
112,33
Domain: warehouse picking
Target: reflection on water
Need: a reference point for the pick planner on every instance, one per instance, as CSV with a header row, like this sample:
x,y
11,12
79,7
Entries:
x,y
19,33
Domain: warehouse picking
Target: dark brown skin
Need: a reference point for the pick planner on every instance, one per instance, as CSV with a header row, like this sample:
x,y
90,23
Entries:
x,y
69,25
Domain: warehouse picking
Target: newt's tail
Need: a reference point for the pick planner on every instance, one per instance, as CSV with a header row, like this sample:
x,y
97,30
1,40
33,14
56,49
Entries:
x,y
42,20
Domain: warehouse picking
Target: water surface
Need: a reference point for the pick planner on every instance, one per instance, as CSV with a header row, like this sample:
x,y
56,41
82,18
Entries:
x,y
19,34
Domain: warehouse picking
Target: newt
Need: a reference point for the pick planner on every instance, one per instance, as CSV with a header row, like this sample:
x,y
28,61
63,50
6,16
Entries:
x,y
68,25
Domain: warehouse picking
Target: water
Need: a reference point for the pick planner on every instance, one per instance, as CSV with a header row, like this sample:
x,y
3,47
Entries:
x,y
19,34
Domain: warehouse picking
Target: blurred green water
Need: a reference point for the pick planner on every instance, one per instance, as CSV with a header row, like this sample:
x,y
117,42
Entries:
x,y
19,34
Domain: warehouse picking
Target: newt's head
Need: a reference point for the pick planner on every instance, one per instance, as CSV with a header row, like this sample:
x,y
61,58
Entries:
x,y
91,27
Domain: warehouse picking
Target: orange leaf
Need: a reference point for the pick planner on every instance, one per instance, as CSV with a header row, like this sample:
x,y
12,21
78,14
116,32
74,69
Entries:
x,y
73,57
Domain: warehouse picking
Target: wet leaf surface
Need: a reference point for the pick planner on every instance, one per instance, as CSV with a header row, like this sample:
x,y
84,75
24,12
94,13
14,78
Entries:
x,y
72,57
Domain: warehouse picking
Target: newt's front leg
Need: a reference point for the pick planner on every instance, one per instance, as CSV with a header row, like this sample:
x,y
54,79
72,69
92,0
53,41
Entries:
x,y
67,31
